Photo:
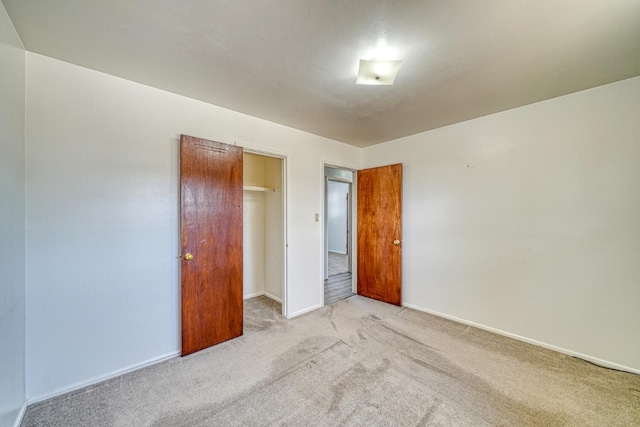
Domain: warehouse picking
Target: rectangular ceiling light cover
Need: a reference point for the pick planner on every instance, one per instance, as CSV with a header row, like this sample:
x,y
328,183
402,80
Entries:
x,y
378,72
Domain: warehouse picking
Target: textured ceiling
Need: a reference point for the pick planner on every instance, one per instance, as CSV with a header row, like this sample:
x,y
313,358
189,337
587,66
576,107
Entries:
x,y
295,62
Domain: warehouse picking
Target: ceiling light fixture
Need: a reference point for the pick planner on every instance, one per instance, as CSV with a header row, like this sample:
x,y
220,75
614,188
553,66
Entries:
x,y
376,72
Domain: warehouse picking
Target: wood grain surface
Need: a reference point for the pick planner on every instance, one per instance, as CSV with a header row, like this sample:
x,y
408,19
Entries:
x,y
379,224
211,230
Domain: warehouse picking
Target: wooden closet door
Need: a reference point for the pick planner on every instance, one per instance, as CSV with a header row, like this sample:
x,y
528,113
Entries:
x,y
211,234
380,233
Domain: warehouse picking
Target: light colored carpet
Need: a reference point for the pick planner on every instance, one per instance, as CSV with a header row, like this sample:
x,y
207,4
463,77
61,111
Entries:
x,y
357,362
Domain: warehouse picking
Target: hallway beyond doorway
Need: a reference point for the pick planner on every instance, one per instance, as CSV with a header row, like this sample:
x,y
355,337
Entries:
x,y
338,263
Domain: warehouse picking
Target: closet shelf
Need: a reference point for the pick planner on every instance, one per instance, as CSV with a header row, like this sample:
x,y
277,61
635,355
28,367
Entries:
x,y
251,188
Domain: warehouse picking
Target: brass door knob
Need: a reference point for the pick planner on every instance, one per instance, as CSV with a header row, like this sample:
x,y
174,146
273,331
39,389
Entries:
x,y
188,257
396,242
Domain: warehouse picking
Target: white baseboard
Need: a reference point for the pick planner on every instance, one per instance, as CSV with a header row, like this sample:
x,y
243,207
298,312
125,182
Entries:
x,y
20,417
273,297
337,252
101,378
306,310
259,294
248,296
594,360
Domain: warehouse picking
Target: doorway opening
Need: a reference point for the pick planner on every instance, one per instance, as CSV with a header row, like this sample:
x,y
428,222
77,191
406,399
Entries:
x,y
264,228
338,239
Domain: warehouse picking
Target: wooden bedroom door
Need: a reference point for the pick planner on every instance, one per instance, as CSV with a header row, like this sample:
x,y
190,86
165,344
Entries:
x,y
211,234
380,233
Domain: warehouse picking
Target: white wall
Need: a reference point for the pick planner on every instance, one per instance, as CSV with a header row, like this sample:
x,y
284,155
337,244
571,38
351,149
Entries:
x,y
253,226
337,216
274,241
102,218
253,170
274,231
263,219
528,221
263,246
253,243
12,210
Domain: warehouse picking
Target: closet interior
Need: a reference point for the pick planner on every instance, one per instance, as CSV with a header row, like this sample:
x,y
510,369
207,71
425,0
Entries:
x,y
263,222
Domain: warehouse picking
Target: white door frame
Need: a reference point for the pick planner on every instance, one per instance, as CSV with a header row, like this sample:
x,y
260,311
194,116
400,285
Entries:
x,y
353,205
